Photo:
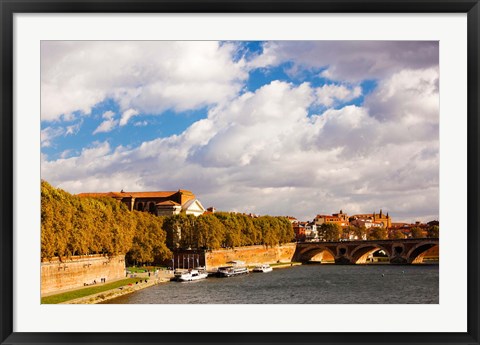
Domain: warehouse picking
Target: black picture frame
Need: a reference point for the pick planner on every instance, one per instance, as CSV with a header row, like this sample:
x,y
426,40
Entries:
x,y
9,8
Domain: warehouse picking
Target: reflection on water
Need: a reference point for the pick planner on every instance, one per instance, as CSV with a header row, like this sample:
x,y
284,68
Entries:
x,y
313,284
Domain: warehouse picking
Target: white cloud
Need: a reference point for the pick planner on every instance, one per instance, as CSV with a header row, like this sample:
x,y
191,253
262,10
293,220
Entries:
x,y
73,129
148,76
108,115
127,115
351,60
262,153
259,151
408,96
48,134
106,126
328,94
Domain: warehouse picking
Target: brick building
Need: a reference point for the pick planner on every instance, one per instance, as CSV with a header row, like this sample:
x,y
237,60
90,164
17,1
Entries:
x,y
158,203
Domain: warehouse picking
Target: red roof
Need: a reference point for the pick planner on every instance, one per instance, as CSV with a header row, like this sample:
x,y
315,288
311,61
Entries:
x,y
159,194
100,195
168,203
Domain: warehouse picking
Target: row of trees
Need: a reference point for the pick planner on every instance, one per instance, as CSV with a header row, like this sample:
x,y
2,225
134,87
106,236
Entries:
x,y
73,225
333,232
226,230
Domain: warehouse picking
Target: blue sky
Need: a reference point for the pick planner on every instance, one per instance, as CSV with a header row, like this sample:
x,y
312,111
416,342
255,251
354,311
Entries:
x,y
219,117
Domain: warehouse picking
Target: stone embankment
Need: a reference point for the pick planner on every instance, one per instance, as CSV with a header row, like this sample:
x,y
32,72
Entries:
x,y
252,255
59,275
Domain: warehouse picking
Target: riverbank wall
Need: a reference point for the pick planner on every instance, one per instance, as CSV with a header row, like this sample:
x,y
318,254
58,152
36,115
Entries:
x,y
251,255
62,274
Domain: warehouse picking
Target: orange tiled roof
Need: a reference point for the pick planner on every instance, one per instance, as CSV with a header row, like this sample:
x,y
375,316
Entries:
x,y
99,195
168,203
398,225
159,194
149,194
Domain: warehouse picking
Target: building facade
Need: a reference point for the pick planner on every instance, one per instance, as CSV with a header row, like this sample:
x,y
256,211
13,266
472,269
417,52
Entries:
x,y
341,219
373,218
158,203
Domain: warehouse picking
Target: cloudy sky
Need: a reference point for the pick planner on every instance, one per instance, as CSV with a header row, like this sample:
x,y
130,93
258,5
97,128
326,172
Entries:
x,y
281,127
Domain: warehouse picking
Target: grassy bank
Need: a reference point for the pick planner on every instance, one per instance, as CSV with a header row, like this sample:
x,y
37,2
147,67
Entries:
x,y
144,269
70,295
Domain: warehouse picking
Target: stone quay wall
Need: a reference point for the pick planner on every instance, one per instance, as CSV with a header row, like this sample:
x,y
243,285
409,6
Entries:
x,y
58,275
251,255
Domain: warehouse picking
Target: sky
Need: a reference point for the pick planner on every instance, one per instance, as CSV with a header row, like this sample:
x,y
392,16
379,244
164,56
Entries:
x,y
293,128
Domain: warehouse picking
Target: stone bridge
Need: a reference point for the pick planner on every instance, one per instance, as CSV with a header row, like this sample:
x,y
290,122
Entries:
x,y
402,251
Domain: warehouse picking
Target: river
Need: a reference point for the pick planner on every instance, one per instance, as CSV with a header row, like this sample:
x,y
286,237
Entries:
x,y
312,284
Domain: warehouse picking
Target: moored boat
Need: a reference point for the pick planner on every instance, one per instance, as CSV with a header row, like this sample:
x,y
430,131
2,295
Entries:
x,y
189,275
263,268
234,268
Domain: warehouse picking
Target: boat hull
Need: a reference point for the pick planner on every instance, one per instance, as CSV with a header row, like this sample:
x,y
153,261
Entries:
x,y
266,270
227,274
190,279
263,269
189,276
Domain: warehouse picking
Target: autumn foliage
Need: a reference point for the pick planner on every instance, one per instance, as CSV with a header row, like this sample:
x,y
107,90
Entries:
x,y
73,225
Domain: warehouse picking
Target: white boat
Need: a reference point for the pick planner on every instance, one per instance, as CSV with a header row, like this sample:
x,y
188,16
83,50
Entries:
x,y
263,268
189,275
235,268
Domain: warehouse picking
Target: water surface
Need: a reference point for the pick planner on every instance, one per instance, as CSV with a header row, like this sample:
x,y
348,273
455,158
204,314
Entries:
x,y
312,284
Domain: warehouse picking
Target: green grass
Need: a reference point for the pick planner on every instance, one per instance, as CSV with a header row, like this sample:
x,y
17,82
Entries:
x,y
67,296
136,269
145,269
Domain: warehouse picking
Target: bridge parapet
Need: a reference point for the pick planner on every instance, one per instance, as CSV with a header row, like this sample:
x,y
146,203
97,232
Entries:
x,y
403,251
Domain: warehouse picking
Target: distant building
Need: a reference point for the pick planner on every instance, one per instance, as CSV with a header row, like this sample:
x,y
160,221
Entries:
x,y
367,223
311,233
299,230
158,203
292,220
211,210
406,228
341,219
373,218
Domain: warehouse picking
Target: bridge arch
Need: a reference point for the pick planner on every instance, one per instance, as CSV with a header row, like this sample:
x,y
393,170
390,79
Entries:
x,y
361,253
416,254
311,252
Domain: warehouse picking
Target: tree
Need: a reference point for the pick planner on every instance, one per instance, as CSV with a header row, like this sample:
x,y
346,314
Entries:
x,y
417,232
330,231
210,232
250,234
232,229
350,232
286,230
73,225
433,231
377,233
360,232
396,235
149,241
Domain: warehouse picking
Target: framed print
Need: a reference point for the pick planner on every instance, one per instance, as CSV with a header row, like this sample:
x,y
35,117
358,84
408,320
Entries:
x,y
306,153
